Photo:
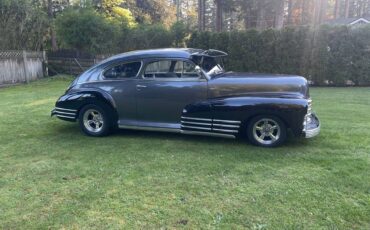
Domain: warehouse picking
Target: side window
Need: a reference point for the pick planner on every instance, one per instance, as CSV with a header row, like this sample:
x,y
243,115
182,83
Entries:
x,y
126,70
170,69
189,71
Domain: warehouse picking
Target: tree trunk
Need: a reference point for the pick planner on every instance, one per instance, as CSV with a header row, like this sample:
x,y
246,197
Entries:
x,y
279,15
201,15
54,44
346,9
337,9
290,12
323,11
219,12
261,24
361,9
320,11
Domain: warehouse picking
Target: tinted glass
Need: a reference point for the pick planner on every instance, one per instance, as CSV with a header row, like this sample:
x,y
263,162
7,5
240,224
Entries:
x,y
126,70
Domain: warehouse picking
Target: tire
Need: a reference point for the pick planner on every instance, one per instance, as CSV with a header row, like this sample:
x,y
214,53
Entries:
x,y
95,120
266,131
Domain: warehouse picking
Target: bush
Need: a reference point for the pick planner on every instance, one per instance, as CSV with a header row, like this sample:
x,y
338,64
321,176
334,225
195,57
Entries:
x,y
85,30
336,56
146,37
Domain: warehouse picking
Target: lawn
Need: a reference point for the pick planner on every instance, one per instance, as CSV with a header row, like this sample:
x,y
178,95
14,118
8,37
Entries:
x,y
52,176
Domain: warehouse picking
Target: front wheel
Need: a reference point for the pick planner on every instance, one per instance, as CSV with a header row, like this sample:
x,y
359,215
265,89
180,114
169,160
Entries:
x,y
267,131
95,121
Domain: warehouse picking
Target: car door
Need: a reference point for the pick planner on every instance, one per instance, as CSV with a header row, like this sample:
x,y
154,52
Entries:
x,y
120,81
166,87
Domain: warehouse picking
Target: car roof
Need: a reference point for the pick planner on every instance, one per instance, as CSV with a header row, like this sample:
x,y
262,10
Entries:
x,y
157,53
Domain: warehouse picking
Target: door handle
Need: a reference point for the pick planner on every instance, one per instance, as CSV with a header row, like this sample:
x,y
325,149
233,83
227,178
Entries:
x,y
140,87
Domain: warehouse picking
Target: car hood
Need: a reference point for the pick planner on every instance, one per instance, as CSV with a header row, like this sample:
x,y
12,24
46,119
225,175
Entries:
x,y
258,85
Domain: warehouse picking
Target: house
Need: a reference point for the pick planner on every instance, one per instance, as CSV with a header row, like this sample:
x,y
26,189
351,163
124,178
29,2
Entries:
x,y
349,21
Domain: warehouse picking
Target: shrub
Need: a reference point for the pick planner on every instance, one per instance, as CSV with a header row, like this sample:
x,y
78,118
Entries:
x,y
326,55
85,30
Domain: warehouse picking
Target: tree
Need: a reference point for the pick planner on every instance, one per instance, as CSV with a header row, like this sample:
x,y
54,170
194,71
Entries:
x,y
179,32
85,30
113,10
23,25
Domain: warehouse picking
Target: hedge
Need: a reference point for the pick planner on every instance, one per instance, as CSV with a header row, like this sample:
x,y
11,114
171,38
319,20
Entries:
x,y
337,56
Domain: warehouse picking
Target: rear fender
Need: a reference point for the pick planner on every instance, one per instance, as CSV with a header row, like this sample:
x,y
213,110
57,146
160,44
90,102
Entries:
x,y
75,100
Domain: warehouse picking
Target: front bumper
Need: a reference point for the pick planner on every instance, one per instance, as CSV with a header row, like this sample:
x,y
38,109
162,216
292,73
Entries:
x,y
311,126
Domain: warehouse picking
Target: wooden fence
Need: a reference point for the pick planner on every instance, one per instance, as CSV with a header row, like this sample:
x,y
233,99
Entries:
x,y
71,62
21,66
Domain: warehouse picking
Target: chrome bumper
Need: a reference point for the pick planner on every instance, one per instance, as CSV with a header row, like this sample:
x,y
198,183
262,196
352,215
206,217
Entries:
x,y
311,126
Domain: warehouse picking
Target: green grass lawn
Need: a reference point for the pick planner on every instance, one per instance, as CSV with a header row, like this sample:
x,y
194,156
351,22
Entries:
x,y
52,176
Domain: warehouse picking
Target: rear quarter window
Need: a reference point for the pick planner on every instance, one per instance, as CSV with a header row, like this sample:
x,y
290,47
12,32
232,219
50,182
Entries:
x,y
122,71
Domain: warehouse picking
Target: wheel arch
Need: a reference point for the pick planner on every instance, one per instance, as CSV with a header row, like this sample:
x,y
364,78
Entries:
x,y
78,99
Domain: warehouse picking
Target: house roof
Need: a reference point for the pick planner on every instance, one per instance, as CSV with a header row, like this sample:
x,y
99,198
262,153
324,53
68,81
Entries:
x,y
348,21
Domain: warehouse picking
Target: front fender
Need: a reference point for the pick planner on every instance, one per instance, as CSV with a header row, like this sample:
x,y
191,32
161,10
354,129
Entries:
x,y
291,111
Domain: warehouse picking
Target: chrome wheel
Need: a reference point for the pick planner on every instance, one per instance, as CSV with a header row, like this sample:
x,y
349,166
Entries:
x,y
266,131
93,120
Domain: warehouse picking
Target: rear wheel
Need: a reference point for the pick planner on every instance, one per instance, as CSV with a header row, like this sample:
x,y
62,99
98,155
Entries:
x,y
267,131
95,120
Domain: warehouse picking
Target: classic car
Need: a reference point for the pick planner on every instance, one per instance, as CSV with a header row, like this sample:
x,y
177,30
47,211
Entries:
x,y
188,91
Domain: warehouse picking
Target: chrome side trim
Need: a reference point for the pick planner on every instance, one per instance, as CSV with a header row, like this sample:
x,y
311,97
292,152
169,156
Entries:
x,y
227,126
195,127
195,123
226,130
72,110
74,114
149,128
196,119
227,121
187,132
207,134
65,116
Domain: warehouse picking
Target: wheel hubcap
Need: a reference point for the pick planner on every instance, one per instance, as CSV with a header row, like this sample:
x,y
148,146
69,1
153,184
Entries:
x,y
93,121
266,131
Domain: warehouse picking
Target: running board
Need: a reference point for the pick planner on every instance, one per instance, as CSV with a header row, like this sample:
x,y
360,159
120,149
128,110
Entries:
x,y
187,132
